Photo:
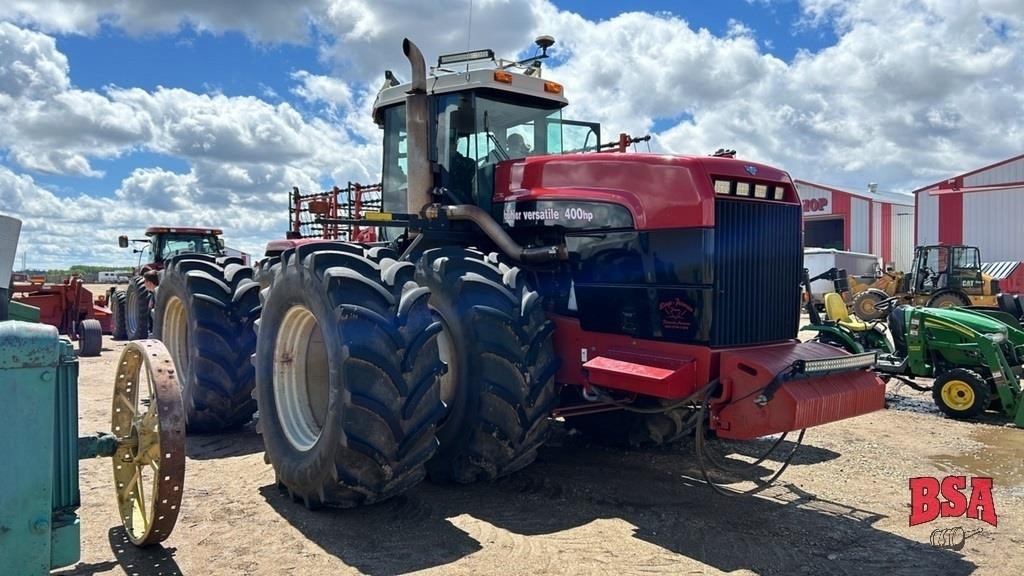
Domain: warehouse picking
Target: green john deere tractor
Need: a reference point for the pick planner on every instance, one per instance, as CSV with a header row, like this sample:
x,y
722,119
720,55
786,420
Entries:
x,y
974,356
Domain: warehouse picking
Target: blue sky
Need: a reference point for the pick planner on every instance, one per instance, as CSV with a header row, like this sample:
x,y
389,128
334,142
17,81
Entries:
x,y
231,64
138,111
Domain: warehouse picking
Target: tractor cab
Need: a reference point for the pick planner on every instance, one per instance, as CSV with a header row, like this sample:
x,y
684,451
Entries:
x,y
941,268
481,112
163,242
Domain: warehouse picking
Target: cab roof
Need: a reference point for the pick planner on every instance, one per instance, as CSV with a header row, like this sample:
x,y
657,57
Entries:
x,y
153,230
493,75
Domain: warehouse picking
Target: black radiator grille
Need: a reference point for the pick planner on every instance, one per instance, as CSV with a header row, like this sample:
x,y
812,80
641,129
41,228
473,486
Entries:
x,y
758,261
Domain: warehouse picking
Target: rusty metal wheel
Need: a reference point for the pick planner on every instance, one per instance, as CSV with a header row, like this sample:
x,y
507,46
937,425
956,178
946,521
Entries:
x,y
149,424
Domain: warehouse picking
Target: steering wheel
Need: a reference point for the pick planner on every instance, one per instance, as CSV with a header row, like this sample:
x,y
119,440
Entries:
x,y
886,306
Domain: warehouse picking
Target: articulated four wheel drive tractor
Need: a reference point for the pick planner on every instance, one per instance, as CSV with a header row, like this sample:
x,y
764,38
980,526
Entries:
x,y
974,356
508,287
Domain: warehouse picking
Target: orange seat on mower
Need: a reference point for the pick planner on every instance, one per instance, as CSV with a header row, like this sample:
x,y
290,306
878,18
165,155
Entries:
x,y
836,311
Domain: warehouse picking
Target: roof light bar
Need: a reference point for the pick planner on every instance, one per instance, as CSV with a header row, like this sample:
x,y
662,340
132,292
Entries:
x,y
465,57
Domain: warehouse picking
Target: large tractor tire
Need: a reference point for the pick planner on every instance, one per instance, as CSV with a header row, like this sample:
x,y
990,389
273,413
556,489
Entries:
x,y
90,337
635,429
499,389
119,310
961,393
206,323
138,301
947,300
864,304
347,376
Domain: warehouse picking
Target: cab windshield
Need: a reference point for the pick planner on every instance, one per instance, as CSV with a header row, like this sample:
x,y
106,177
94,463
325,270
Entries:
x,y
168,246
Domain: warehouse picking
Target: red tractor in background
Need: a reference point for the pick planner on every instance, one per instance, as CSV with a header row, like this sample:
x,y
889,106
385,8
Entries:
x,y
131,305
641,297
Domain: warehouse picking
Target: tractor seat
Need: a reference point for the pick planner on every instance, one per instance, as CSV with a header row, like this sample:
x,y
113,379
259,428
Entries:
x,y
898,329
836,311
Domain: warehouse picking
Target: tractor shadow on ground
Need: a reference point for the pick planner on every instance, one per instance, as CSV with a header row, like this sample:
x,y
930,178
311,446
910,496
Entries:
x,y
223,445
658,496
397,536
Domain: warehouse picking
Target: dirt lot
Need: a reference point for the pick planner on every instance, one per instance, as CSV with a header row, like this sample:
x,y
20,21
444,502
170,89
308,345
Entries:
x,y
842,507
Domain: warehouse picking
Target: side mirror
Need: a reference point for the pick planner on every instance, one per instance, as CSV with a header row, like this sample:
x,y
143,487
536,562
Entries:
x,y
122,241
220,243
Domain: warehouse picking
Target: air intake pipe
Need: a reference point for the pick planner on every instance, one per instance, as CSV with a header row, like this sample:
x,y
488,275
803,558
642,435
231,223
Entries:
x,y
498,235
420,174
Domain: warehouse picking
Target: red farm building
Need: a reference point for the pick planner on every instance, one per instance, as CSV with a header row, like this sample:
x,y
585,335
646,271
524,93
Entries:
x,y
868,222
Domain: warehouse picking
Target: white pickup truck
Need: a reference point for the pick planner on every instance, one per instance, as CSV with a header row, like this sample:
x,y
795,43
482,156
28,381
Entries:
x,y
112,278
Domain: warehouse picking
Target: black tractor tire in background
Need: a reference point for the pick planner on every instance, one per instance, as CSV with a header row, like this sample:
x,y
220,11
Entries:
x,y
117,310
951,394
499,390
627,429
137,304
947,300
347,376
863,304
90,338
206,323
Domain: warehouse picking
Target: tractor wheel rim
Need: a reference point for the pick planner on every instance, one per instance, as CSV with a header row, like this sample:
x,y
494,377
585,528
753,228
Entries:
x,y
131,314
446,352
301,378
867,306
175,338
958,395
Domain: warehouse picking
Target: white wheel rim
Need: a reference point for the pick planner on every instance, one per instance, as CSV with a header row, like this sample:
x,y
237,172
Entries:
x,y
301,378
174,335
446,351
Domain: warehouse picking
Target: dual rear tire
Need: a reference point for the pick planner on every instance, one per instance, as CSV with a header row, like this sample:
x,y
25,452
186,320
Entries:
x,y
204,315
373,374
497,342
347,376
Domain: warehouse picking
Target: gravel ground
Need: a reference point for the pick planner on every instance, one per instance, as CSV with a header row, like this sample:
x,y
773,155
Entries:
x,y
842,507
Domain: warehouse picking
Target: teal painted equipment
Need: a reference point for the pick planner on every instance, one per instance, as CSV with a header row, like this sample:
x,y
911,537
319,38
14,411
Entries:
x,y
39,496
975,356
39,529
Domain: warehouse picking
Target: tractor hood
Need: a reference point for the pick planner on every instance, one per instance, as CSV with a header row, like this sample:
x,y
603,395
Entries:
x,y
975,321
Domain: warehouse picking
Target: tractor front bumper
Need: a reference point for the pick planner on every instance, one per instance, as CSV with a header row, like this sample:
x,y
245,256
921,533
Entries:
x,y
781,388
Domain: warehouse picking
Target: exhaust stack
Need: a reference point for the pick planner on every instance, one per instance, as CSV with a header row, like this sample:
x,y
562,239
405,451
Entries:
x,y
420,174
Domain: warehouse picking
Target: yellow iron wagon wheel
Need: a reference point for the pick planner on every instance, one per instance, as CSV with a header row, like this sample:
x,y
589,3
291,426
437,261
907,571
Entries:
x,y
148,422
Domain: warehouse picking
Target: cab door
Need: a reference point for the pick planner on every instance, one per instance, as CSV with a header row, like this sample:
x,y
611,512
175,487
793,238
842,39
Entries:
x,y
965,270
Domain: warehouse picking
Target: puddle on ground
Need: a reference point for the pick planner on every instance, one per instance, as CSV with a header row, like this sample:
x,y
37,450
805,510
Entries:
x,y
1001,457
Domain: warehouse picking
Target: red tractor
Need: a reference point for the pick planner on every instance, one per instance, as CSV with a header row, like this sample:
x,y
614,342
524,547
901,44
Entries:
x,y
131,305
641,297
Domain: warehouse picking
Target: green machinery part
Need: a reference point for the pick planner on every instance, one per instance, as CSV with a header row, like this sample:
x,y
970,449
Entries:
x,y
39,529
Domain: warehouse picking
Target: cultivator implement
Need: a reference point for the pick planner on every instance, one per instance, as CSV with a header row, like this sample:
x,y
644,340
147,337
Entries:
x,y
307,213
